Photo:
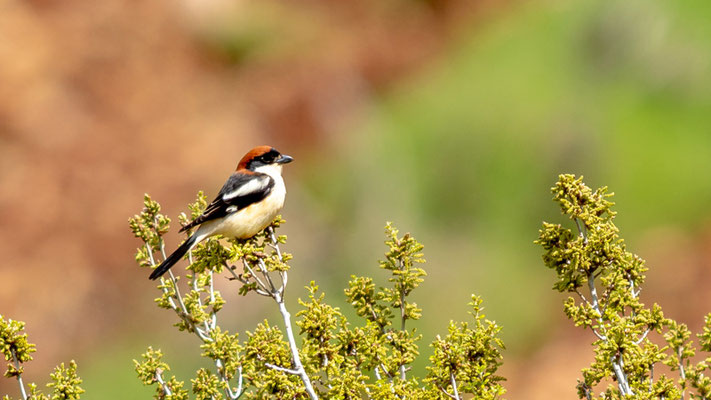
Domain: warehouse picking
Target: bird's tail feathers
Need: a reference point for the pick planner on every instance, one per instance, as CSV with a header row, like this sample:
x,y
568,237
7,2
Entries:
x,y
174,257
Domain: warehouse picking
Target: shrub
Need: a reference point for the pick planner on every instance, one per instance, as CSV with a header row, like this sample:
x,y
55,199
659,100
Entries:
x,y
605,281
17,351
334,358
331,357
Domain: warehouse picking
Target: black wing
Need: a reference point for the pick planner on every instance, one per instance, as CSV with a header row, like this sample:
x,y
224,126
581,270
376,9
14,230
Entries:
x,y
240,190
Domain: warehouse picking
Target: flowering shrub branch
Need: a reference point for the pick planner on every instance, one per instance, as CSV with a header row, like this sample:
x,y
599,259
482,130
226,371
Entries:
x,y
335,358
593,264
16,349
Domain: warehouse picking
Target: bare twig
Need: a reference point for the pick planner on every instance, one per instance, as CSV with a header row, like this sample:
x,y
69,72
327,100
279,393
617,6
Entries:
x,y
282,369
256,278
443,390
599,336
621,376
266,275
239,390
644,336
617,360
581,232
454,385
213,314
292,345
582,297
403,318
682,373
275,242
277,295
247,282
16,361
162,383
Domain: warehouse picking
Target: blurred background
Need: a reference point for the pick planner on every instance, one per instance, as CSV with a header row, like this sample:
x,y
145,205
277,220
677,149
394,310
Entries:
x,y
451,118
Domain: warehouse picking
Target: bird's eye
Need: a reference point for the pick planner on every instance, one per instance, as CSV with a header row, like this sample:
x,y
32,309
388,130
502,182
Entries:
x,y
269,158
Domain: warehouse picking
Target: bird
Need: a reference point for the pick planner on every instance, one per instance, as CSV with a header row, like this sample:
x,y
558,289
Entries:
x,y
248,202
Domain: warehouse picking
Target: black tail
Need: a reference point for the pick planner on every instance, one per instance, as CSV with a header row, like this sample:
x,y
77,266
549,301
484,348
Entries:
x,y
173,258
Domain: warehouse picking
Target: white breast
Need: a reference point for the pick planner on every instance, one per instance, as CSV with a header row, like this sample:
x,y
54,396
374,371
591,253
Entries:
x,y
250,220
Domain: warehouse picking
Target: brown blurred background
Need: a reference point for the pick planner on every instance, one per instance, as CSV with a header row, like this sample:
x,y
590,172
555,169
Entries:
x,y
451,118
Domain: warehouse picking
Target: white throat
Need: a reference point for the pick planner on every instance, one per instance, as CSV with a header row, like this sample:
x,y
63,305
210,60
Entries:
x,y
273,170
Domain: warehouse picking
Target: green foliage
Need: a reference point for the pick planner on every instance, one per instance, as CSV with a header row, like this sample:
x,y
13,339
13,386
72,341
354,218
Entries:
x,y
469,356
195,208
16,349
65,382
206,385
14,346
225,347
595,258
403,253
336,358
395,348
149,226
151,370
371,357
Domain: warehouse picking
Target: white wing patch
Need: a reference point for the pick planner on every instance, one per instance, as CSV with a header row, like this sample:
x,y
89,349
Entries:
x,y
254,185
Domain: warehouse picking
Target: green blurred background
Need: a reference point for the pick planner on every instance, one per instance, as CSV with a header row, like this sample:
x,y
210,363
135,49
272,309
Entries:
x,y
450,118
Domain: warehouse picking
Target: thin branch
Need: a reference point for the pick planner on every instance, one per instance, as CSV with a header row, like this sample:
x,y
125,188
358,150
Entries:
x,y
177,294
265,273
621,377
282,274
617,360
403,318
682,373
644,336
284,280
251,272
593,294
387,373
599,336
324,365
275,242
150,254
634,293
279,298
247,282
581,232
183,310
595,305
149,250
239,390
294,350
19,374
582,297
213,314
162,383
228,390
282,369
454,385
451,396
194,284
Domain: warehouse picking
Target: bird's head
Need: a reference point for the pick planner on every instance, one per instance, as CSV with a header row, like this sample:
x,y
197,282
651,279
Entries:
x,y
265,159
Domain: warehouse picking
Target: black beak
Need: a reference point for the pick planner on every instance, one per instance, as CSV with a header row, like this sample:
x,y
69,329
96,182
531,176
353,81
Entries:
x,y
284,159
